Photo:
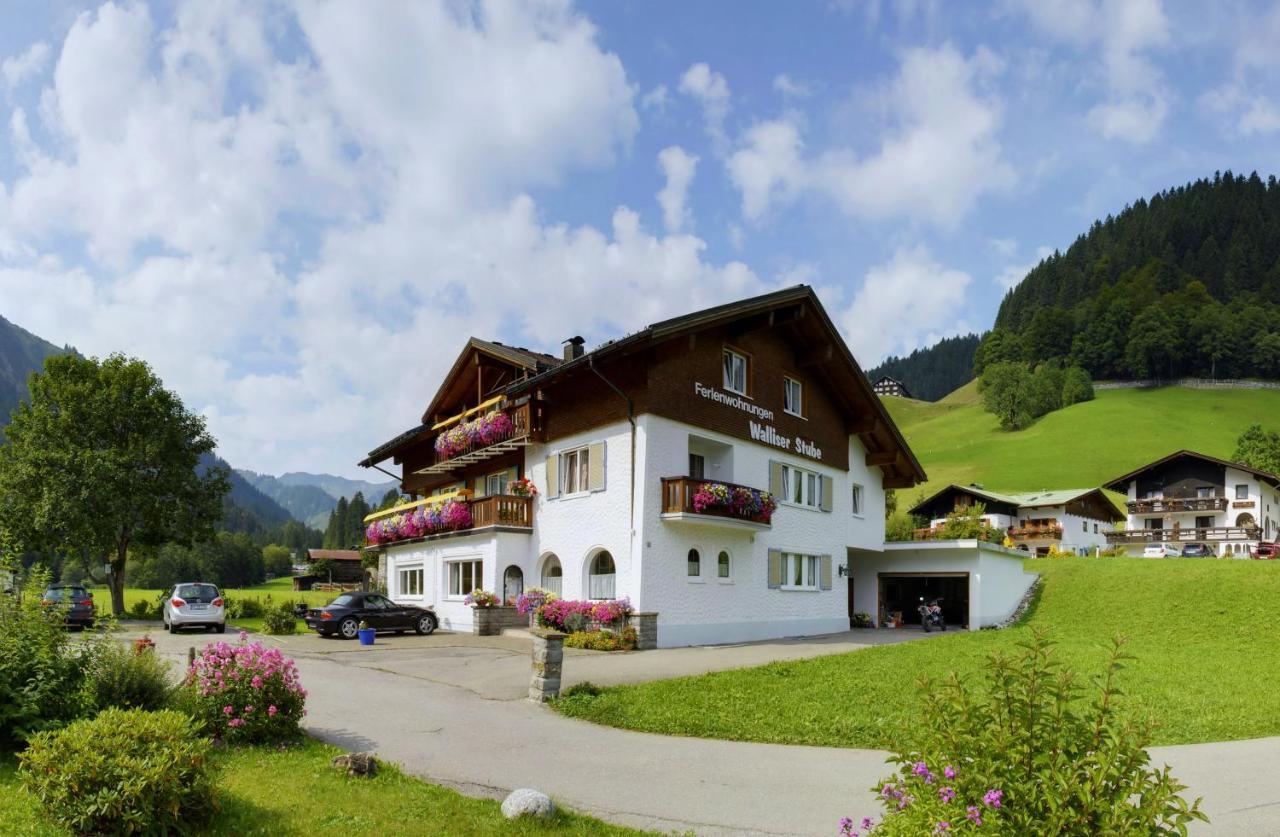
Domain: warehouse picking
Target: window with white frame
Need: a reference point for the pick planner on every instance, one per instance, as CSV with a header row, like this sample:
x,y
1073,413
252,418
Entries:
x,y
799,572
410,581
857,499
575,471
735,371
801,487
723,565
792,397
464,576
495,484
695,564
1242,492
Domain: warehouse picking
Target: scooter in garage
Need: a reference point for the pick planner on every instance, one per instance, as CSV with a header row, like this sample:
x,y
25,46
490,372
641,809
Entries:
x,y
931,615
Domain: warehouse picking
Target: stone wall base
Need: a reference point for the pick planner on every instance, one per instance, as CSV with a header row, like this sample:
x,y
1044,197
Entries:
x,y
489,621
646,626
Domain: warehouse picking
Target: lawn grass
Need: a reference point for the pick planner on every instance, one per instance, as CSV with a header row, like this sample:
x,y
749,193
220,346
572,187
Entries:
x,y
1206,635
1080,446
280,590
295,792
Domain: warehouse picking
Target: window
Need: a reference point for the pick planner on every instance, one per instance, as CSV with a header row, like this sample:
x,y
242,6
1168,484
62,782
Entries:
x,y
695,564
735,372
1242,492
1084,526
857,500
1155,523
1204,493
697,466
553,575
792,397
410,581
1204,522
799,572
722,565
1095,528
575,471
495,484
801,487
464,576
603,575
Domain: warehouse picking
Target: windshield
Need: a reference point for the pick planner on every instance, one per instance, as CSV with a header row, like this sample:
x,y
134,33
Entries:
x,y
199,593
345,600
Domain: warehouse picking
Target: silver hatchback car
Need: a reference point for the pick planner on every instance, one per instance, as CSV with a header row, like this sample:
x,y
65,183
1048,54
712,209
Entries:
x,y
195,605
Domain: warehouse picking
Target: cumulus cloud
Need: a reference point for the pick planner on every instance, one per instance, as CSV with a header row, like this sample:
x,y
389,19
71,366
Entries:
x,y
1246,104
18,68
711,90
938,154
789,88
678,166
1013,273
920,297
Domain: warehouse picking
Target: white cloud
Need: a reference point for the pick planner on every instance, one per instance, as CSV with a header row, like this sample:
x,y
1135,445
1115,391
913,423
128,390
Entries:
x,y
712,92
1247,102
903,304
678,166
938,155
790,88
1013,273
19,68
655,99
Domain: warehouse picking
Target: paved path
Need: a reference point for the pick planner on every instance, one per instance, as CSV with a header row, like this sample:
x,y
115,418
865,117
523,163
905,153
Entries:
x,y
433,705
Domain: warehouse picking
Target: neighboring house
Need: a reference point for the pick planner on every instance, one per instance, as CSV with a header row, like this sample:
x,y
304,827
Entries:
x,y
891,386
632,448
1192,498
347,568
1072,520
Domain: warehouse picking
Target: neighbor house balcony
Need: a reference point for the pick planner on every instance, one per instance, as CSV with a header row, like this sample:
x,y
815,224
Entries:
x,y
491,429
447,516
1187,534
1163,505
1050,531
715,503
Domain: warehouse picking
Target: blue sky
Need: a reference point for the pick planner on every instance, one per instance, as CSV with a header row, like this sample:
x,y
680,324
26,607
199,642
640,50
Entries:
x,y
298,212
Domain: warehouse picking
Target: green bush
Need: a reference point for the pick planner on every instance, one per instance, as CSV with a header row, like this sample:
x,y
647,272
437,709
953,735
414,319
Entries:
x,y
585,688
280,619
243,608
42,673
144,610
125,678
123,772
602,640
1030,752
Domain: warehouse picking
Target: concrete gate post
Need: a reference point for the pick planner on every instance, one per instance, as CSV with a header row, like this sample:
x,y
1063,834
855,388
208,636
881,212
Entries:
x,y
548,659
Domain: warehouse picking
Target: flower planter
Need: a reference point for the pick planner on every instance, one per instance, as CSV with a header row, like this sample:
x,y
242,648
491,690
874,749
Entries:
x,y
490,621
367,635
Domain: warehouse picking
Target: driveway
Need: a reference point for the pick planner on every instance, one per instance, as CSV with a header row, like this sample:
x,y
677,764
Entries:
x,y
450,708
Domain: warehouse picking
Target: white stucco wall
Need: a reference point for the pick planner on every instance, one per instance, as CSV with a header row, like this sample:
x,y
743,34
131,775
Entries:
x,y
1265,511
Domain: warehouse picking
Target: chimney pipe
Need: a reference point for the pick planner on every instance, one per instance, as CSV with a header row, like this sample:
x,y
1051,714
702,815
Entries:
x,y
573,348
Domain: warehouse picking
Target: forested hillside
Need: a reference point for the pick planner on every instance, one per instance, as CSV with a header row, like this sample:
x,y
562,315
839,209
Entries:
x,y
21,353
1184,284
931,373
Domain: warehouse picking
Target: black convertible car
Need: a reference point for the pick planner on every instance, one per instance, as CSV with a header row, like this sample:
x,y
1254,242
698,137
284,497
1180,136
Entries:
x,y
343,616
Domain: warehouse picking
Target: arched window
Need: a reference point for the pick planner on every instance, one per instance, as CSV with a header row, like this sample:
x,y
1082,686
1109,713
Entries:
x,y
722,565
552,575
695,564
512,583
601,582
1245,520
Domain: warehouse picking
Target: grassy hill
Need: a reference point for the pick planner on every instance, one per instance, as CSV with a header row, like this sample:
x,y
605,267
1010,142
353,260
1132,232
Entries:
x,y
1082,445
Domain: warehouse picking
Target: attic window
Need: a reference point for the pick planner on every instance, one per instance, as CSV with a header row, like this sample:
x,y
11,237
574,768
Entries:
x,y
735,371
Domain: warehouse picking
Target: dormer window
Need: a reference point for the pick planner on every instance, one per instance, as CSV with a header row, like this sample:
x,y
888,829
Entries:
x,y
735,371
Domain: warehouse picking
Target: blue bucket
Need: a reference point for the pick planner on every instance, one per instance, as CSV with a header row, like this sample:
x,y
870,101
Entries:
x,y
367,635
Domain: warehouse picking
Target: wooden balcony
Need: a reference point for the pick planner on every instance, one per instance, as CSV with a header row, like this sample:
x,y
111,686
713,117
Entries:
x,y
526,427
1048,532
1189,534
1162,505
678,504
497,511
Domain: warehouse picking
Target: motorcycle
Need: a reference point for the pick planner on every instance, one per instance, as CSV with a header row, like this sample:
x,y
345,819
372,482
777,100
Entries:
x,y
931,615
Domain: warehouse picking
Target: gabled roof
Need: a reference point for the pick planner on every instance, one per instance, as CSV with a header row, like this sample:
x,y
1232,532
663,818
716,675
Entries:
x,y
1025,499
1121,483
973,490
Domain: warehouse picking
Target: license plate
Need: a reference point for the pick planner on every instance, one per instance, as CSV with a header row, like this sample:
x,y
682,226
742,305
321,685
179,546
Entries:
x,y
199,607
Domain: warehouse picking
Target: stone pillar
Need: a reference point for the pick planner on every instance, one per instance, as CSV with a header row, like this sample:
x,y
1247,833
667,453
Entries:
x,y
646,625
548,658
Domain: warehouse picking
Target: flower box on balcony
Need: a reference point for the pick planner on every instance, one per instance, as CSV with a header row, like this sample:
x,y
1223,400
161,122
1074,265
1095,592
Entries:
x,y
684,498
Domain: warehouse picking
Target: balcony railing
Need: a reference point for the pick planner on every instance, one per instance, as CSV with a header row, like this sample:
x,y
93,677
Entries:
x,y
724,501
1161,505
1186,534
464,440
415,521
1050,532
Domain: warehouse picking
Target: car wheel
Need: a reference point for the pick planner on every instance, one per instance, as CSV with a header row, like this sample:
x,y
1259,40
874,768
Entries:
x,y
348,628
426,624
222,628
173,629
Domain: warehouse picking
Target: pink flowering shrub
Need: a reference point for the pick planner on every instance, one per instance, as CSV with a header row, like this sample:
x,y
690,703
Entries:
x,y
482,598
734,500
245,692
570,615
480,432
1030,751
449,516
530,600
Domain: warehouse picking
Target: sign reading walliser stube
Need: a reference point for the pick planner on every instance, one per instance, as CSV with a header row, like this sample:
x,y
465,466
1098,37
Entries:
x,y
760,431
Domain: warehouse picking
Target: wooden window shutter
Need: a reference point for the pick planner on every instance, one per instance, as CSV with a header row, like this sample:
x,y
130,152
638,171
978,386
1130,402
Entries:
x,y
775,569
595,468
828,487
775,478
553,475
824,572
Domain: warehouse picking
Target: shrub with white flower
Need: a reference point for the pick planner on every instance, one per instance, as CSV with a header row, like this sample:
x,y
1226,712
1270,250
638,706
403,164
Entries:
x,y
246,693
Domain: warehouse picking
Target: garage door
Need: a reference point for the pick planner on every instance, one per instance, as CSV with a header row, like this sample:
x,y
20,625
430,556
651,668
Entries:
x,y
902,592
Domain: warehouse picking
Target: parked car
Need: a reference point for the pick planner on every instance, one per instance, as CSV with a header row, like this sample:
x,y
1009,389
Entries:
x,y
1198,550
1265,550
343,616
78,601
194,605
1159,550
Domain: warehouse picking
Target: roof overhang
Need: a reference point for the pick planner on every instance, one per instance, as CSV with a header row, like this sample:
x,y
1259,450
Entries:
x,y
1121,483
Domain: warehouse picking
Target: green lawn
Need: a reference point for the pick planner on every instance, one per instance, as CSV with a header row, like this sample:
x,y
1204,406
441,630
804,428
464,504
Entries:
x,y
1080,446
280,590
1206,634
295,792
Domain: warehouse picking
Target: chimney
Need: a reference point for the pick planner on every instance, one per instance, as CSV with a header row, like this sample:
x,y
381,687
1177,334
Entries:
x,y
573,348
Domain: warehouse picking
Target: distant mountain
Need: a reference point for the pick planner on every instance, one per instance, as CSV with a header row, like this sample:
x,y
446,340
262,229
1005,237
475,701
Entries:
x,y
338,487
21,353
931,373
311,497
246,509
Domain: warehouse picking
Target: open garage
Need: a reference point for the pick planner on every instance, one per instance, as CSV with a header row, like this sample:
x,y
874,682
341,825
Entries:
x,y
903,593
